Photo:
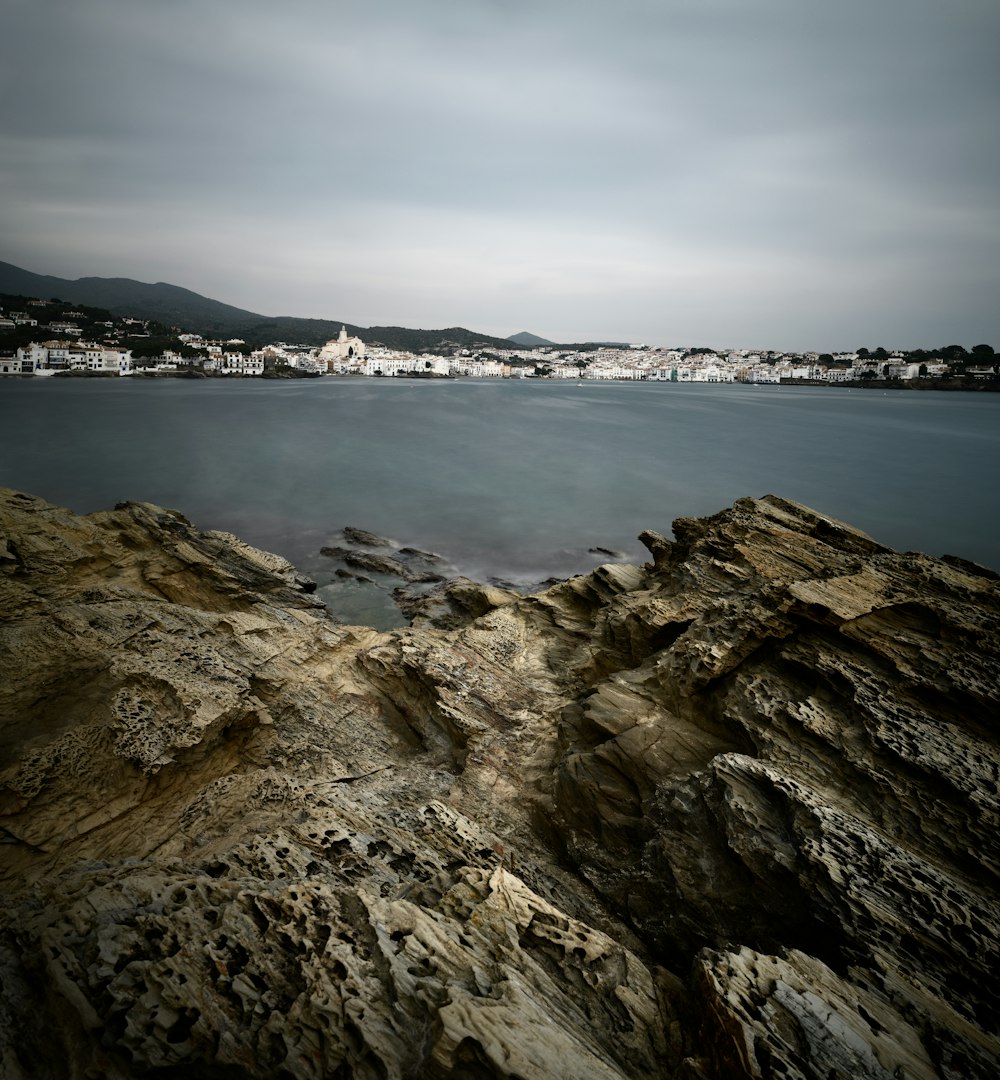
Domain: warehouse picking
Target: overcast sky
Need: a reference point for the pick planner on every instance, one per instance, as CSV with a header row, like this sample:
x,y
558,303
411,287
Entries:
x,y
784,173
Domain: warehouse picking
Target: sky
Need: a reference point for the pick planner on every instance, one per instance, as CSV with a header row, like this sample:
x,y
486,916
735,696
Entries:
x,y
789,174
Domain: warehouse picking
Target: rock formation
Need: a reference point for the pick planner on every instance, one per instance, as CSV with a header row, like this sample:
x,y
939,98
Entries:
x,y
732,813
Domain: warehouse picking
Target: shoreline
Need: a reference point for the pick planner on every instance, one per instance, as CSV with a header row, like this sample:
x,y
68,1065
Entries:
x,y
950,385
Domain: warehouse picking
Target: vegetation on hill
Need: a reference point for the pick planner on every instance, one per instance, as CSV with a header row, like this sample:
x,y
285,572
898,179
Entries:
x,y
97,320
185,311
452,338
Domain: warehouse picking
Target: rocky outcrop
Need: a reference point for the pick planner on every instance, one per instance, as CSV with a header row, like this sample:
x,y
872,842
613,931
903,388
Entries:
x,y
732,813
409,563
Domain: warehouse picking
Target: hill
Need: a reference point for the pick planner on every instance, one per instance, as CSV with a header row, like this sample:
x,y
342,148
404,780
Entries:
x,y
175,306
169,304
401,337
528,339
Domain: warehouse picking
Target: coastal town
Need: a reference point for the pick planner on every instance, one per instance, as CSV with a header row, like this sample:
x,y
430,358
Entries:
x,y
72,344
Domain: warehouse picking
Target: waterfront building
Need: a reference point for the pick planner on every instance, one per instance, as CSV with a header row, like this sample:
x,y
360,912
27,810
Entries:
x,y
42,357
236,363
481,369
390,364
13,365
334,353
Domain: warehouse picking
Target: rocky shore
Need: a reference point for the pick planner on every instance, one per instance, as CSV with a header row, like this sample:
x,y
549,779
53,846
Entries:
x,y
733,813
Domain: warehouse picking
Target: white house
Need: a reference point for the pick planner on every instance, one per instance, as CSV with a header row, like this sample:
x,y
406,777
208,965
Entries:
x,y
37,355
390,365
100,358
235,363
13,365
481,369
612,371
763,373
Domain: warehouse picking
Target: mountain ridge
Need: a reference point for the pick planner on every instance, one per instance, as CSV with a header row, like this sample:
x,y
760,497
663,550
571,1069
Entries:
x,y
175,305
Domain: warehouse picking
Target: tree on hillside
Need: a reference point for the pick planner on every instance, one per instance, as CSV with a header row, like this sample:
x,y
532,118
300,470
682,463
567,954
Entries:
x,y
157,345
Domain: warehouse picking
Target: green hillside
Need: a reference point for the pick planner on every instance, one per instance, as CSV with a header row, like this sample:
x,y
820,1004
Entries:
x,y
189,311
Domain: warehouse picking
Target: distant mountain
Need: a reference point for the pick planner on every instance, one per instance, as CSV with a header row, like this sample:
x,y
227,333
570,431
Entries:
x,y
401,337
531,341
528,339
191,312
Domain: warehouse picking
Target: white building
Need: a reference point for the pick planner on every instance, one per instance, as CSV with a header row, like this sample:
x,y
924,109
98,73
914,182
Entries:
x,y
53,356
37,355
118,361
481,369
235,363
714,373
335,353
390,363
13,365
762,373
434,365
612,371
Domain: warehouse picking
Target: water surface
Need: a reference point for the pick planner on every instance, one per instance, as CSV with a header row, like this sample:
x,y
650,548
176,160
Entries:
x,y
509,478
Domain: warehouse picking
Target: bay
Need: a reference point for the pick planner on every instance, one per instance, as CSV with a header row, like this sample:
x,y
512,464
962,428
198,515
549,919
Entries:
x,y
514,478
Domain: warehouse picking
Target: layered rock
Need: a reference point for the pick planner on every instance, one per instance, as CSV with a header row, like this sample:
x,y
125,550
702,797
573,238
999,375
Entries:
x,y
733,813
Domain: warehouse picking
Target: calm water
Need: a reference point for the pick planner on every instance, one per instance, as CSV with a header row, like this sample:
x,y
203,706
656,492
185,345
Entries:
x,y
516,478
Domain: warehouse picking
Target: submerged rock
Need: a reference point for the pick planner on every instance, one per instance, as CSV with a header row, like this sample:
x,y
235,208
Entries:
x,y
732,813
386,564
363,538
408,563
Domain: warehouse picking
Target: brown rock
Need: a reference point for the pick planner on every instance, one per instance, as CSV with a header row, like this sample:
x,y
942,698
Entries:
x,y
730,814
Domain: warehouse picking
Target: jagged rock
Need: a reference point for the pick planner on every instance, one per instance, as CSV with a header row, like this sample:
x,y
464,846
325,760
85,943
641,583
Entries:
x,y
332,551
386,564
409,563
452,604
768,1015
363,538
424,556
733,813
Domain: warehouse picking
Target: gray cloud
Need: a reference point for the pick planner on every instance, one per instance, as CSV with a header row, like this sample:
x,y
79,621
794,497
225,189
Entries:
x,y
768,172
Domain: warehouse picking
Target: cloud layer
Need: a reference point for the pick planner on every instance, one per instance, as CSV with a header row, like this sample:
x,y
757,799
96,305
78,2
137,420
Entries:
x,y
765,172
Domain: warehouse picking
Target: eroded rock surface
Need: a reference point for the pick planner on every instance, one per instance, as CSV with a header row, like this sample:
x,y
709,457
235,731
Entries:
x,y
733,813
